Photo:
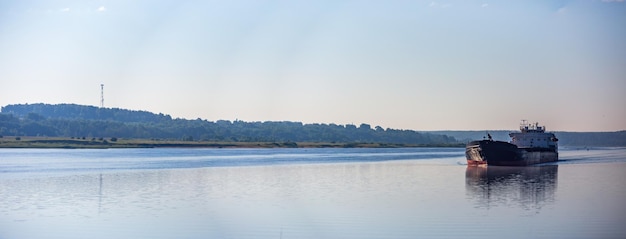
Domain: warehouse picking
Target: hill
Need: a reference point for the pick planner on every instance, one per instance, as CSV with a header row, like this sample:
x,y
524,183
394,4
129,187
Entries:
x,y
71,120
84,112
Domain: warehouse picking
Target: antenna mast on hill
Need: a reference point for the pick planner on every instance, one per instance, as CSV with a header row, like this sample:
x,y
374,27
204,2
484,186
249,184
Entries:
x,y
101,95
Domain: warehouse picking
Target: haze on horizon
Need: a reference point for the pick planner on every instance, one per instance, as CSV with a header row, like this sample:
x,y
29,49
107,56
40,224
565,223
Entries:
x,y
420,65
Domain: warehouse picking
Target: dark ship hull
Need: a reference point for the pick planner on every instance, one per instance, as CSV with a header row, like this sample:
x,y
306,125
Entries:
x,y
489,152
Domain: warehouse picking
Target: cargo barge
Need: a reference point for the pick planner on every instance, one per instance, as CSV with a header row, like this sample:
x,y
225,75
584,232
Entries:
x,y
532,145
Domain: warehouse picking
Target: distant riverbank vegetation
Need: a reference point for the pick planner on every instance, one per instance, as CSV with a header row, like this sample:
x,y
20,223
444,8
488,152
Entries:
x,y
566,139
95,143
79,126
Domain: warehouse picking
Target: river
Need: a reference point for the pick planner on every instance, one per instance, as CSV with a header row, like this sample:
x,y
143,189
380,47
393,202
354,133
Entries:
x,y
307,193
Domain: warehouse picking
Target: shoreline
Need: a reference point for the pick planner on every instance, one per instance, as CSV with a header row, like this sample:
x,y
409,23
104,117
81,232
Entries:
x,y
106,143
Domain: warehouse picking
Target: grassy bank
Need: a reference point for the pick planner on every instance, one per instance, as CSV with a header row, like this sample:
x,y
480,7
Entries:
x,y
61,142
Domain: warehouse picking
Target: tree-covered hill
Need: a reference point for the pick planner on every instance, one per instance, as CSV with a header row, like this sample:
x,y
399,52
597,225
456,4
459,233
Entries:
x,y
84,112
70,120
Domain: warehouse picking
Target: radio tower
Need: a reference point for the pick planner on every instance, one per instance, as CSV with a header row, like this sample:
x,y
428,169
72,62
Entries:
x,y
101,95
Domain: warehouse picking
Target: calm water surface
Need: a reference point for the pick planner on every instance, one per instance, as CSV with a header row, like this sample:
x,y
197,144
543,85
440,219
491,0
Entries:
x,y
307,193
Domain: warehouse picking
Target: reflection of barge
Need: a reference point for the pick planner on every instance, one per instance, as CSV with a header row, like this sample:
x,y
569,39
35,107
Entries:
x,y
530,146
530,187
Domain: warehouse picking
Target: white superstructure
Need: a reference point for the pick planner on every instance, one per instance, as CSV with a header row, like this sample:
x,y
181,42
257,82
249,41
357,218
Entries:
x,y
533,136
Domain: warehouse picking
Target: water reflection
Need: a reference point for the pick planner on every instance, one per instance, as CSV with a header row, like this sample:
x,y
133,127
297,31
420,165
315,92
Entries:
x,y
527,187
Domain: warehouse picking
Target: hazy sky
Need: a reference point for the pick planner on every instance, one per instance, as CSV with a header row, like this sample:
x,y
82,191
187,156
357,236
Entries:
x,y
421,65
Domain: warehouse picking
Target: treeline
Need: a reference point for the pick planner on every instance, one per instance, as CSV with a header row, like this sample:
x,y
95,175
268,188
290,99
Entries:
x,y
592,139
574,139
70,120
85,112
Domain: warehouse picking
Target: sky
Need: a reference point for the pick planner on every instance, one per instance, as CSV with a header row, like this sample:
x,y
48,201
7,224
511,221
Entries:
x,y
418,65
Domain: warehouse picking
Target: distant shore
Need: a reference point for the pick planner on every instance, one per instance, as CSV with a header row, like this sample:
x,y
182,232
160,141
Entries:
x,y
105,143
